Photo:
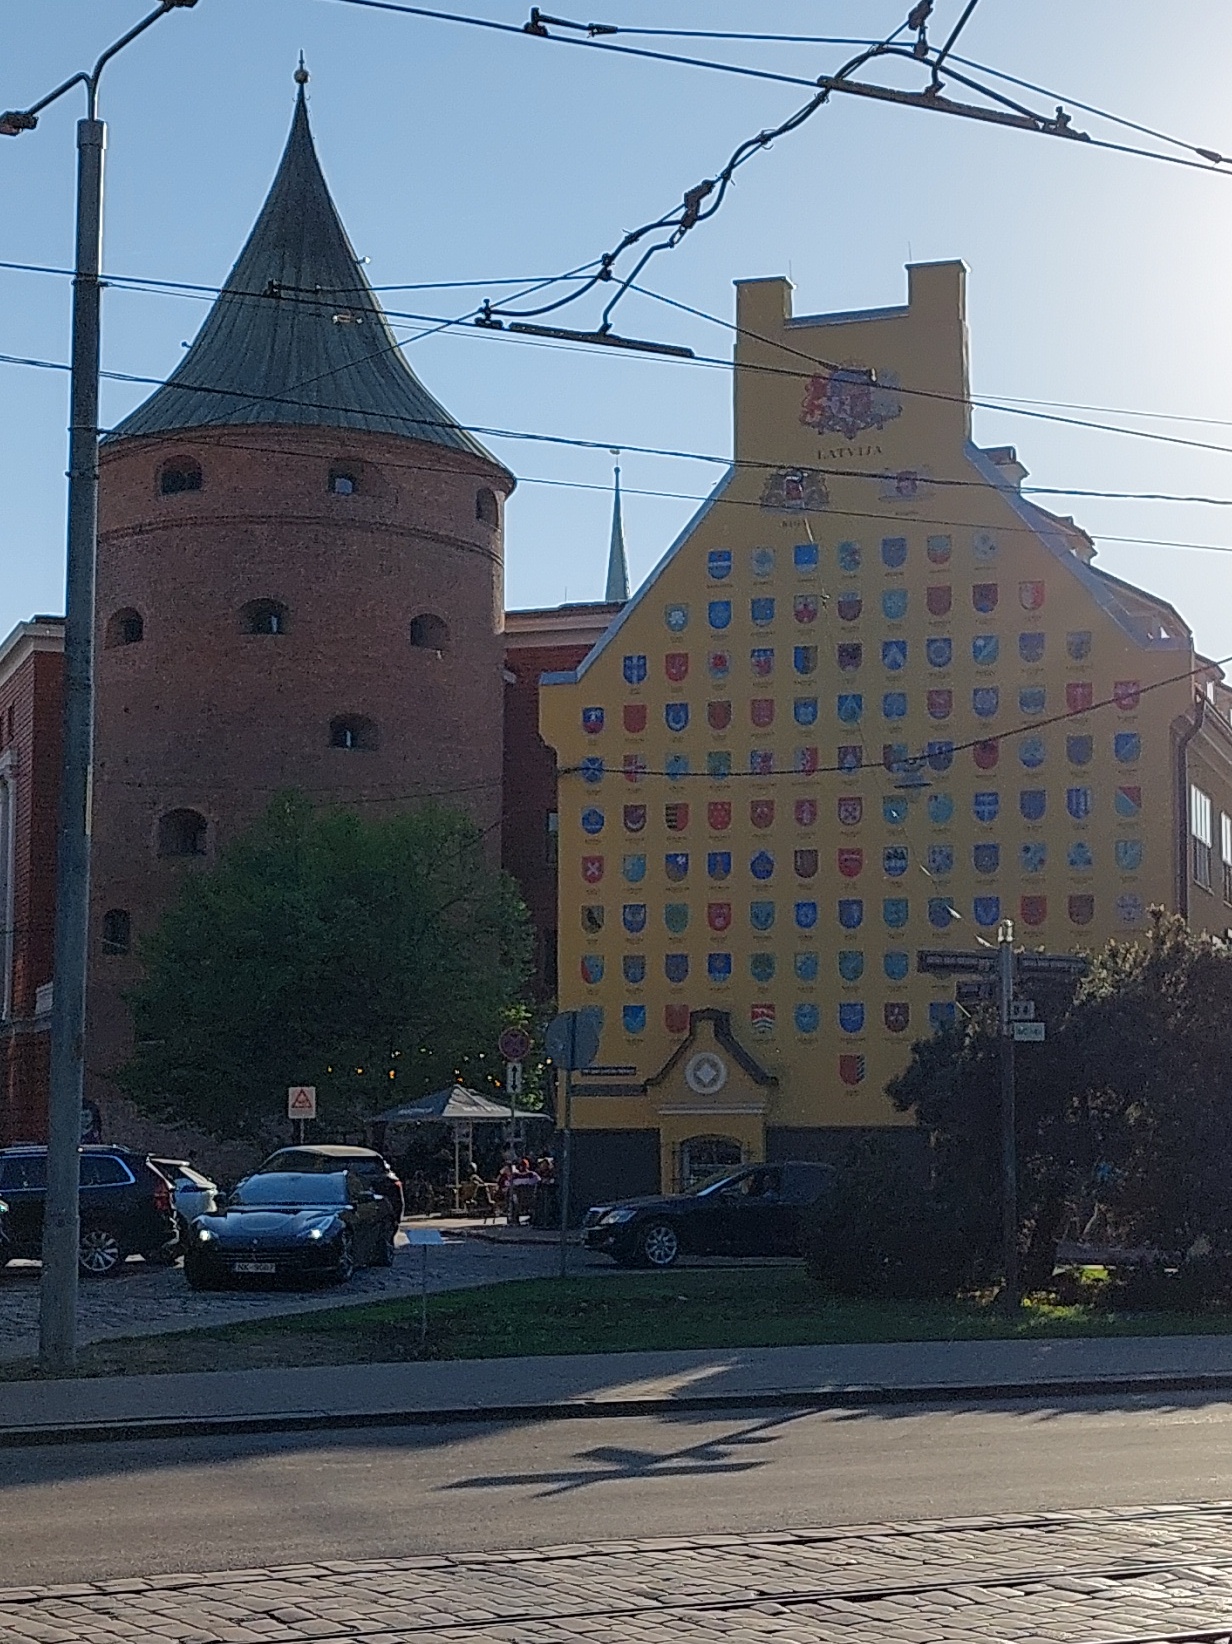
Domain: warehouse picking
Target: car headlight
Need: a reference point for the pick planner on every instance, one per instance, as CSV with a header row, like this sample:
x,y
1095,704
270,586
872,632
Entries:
x,y
204,1235
314,1232
614,1216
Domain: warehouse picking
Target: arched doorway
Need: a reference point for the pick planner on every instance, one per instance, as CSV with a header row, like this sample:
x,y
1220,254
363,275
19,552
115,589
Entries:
x,y
702,1156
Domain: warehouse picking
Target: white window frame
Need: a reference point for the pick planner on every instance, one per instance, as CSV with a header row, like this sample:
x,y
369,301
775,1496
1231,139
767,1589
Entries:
x,y
1201,831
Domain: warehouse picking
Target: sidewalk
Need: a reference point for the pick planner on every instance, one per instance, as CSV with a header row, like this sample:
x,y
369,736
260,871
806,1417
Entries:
x,y
607,1384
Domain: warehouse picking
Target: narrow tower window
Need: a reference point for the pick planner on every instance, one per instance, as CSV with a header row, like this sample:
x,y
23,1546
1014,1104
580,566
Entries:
x,y
125,628
117,931
429,632
487,509
264,616
182,833
180,474
352,731
342,483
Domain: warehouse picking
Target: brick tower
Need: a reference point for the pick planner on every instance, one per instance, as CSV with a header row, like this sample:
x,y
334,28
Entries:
x,y
300,584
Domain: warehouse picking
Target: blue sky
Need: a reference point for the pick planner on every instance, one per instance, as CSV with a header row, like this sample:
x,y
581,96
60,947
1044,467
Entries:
x,y
454,154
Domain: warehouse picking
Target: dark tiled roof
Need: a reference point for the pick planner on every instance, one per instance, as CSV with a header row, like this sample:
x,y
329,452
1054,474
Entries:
x,y
297,336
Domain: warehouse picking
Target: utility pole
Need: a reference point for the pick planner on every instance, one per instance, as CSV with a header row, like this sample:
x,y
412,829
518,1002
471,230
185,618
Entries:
x,y
58,1289
1010,1296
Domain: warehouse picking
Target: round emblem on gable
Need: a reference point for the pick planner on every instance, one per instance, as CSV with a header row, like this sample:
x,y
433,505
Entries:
x,y
705,1073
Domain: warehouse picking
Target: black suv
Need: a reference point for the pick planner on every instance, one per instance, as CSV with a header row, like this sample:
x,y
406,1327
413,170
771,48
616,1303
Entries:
x,y
125,1206
325,1158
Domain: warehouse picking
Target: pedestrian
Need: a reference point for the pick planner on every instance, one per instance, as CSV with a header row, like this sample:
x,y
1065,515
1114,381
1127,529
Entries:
x,y
523,1184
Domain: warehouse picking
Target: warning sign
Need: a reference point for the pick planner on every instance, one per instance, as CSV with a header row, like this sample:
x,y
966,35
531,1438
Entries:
x,y
301,1102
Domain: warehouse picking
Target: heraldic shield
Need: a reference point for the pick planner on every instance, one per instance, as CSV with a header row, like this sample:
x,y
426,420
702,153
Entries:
x,y
761,812
592,721
806,915
985,649
849,556
1129,855
805,607
894,705
940,652
1126,693
894,604
676,968
806,967
676,817
1031,647
986,754
761,915
634,716
805,863
634,768
676,1017
761,661
850,810
986,857
1078,645
851,1069
676,866
761,610
634,818
676,617
984,596
850,707
940,599
849,607
633,917
940,809
807,1017
985,805
718,664
850,756
761,967
1032,804
893,552
894,654
718,865
987,910
804,710
894,861
1126,747
1031,752
1081,910
718,715
1079,696
676,666
719,613
850,861
1034,909
719,915
850,656
1128,801
940,912
761,712
804,659
940,859
850,964
592,919
1032,699
592,819
634,1018
761,865
592,869
940,704
897,1013
719,967
676,716
894,912
1033,856
719,564
633,966
676,917
894,809
851,1016
635,670
939,550
1079,750
1031,596
592,968
896,966
985,700
719,815
850,912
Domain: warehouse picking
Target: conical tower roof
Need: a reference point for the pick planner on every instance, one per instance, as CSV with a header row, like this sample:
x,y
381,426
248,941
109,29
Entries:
x,y
297,336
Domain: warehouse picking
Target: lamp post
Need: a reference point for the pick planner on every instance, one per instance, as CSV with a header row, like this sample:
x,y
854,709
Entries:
x,y
58,1291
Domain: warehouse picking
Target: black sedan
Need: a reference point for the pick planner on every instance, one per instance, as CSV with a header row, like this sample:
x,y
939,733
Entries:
x,y
759,1210
290,1227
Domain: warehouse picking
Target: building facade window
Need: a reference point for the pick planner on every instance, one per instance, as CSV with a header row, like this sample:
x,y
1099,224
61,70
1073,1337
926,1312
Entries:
x,y
1225,853
117,931
180,474
183,833
353,731
126,627
264,616
551,838
342,482
429,632
1201,836
7,809
487,509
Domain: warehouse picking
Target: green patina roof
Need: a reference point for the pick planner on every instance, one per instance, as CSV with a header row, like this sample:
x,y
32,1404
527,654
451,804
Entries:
x,y
297,335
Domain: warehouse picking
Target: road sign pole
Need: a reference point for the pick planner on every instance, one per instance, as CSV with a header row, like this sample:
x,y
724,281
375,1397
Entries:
x,y
1009,1142
566,1172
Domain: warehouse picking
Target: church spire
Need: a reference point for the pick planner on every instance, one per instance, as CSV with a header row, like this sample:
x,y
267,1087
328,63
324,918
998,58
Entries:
x,y
617,563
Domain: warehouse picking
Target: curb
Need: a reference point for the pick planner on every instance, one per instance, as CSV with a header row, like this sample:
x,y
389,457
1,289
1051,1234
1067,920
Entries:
x,y
830,1398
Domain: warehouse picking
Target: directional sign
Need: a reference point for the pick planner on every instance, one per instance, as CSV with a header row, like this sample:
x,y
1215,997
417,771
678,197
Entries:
x,y
942,962
1052,964
974,992
572,1039
515,1044
1031,1033
611,1070
513,1078
1022,1010
301,1102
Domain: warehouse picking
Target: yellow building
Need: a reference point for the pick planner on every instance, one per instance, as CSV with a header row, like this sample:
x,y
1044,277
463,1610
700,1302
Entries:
x,y
872,700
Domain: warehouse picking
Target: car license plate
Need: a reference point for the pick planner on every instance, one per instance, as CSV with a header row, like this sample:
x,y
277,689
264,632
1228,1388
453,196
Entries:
x,y
253,1267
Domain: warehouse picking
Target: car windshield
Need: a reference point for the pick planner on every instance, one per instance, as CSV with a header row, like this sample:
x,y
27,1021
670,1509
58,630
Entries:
x,y
284,1189
711,1184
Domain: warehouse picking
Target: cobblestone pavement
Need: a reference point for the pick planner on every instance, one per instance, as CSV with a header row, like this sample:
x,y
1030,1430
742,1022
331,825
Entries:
x,y
140,1300
1114,1575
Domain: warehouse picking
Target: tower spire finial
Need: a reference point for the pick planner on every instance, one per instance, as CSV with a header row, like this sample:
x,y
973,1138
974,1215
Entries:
x,y
617,591
301,75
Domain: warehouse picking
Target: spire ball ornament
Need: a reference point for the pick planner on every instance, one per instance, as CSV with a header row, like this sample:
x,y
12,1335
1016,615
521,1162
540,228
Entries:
x,y
301,73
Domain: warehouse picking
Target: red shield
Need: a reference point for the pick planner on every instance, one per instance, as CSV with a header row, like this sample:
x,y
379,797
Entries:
x,y
849,607
986,754
1079,697
676,817
897,1015
761,711
718,715
1034,909
761,812
1125,693
719,814
676,1018
635,717
940,704
851,1069
676,665
1031,595
940,597
850,861
850,811
634,767
761,1018
1081,910
805,607
592,869
719,915
806,813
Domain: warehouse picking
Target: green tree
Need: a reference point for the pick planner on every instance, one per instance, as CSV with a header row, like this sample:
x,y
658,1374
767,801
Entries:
x,y
376,959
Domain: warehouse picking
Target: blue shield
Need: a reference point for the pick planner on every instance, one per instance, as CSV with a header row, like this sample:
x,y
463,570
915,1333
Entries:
x,y
1031,752
1078,645
761,866
987,910
808,1018
894,704
592,968
761,610
1128,801
940,652
940,756
676,866
805,556
635,670
592,720
634,967
761,915
719,967
894,809
676,967
1127,746
806,966
941,1014
676,715
896,966
804,710
804,659
592,770
1079,749
592,820
676,916
986,805
851,964
1031,699
984,648
894,604
940,912
986,857
634,869
1129,855
718,613
719,564
894,861
1080,857
761,967
850,757
894,654
850,912
634,1018
851,1016
633,917
985,700
718,764
1078,803
940,859
1031,647
850,707
940,809
894,911
849,556
1032,803
1033,856
718,864
893,552
676,765
806,915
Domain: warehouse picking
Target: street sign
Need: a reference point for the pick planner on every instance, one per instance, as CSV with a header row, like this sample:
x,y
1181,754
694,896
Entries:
x,y
610,1070
513,1078
974,992
1022,1010
1028,1033
941,962
301,1102
515,1044
1052,964
572,1039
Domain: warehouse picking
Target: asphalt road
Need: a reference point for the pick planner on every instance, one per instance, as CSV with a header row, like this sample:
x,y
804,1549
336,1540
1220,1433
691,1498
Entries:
x,y
91,1512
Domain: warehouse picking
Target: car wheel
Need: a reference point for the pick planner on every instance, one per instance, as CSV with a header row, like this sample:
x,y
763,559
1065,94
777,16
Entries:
x,y
659,1244
386,1248
166,1255
98,1252
346,1260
